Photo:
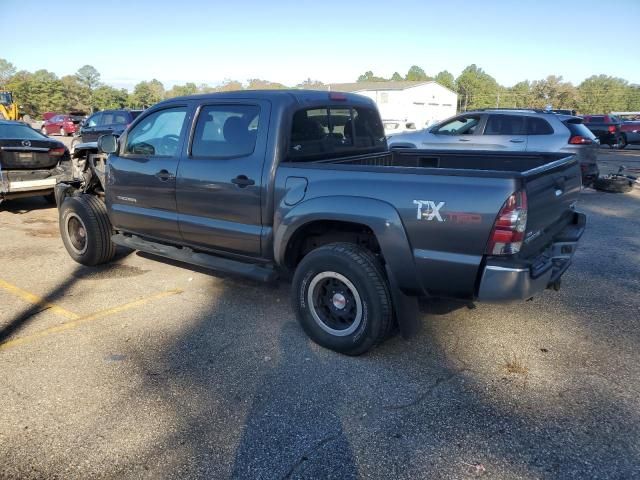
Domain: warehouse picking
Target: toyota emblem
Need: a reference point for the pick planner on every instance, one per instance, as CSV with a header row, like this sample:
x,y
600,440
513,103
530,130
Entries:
x,y
26,143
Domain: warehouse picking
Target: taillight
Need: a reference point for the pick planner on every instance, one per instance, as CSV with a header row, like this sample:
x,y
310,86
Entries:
x,y
510,225
57,152
612,129
580,140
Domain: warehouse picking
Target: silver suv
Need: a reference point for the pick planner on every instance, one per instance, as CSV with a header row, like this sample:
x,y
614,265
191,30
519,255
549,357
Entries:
x,y
509,130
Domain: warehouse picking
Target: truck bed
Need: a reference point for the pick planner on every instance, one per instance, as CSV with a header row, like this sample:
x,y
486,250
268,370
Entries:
x,y
471,187
510,163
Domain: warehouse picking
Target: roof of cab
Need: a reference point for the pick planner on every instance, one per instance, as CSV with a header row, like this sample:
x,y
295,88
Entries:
x,y
285,96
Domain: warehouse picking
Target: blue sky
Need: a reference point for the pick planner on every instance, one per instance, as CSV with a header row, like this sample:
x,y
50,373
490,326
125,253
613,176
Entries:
x,y
332,41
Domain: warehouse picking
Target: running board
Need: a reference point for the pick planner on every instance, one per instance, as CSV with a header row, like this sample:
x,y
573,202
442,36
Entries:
x,y
187,255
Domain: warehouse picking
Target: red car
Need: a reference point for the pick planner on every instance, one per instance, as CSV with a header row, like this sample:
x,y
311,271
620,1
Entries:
x,y
61,124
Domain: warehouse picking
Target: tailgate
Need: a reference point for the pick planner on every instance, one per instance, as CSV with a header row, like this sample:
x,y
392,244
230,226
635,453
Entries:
x,y
551,195
14,155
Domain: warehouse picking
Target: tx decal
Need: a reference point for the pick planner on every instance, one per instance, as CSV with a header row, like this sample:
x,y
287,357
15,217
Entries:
x,y
429,210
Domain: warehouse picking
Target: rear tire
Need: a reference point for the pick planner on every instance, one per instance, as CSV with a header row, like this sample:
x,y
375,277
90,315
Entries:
x,y
86,230
613,185
341,298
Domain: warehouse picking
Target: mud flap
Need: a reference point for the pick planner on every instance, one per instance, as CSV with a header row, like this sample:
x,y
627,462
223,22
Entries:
x,y
405,308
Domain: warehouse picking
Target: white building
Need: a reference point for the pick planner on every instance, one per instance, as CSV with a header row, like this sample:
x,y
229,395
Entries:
x,y
409,105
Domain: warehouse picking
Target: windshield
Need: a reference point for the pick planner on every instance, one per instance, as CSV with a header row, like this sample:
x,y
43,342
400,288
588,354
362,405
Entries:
x,y
16,131
5,98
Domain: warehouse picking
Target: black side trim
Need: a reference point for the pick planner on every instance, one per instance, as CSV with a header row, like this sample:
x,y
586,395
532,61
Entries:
x,y
187,255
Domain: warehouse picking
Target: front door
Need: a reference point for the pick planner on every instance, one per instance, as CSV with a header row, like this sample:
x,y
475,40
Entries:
x,y
141,176
88,130
459,133
219,187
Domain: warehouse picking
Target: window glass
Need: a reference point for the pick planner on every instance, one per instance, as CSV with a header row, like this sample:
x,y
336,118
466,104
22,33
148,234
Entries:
x,y
505,125
158,134
337,131
93,120
17,131
226,131
595,119
107,118
580,129
120,118
538,126
459,126
369,131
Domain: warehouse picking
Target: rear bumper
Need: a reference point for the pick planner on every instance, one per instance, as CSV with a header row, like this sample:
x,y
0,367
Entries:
x,y
503,281
21,183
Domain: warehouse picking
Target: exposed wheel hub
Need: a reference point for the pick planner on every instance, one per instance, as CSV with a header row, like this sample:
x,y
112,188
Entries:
x,y
339,301
77,233
335,303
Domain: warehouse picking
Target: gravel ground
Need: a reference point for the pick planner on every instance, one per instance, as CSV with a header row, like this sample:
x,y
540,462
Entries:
x,y
202,376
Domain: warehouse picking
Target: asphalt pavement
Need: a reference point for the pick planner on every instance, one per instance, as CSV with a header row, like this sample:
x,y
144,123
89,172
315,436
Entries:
x,y
144,369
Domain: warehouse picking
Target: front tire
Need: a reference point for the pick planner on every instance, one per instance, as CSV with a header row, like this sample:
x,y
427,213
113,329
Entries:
x,y
86,230
341,298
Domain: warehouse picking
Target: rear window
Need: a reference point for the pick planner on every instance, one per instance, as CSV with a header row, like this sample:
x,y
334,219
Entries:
x,y
226,131
505,125
335,131
579,129
595,119
538,126
19,132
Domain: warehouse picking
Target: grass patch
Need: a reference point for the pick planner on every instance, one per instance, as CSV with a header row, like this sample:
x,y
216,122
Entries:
x,y
516,366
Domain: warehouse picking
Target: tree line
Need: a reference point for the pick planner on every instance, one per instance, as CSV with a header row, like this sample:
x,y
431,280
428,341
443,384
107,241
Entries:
x,y
43,91
478,89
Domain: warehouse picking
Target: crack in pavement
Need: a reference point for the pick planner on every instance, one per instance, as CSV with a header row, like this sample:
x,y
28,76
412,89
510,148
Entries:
x,y
303,458
428,391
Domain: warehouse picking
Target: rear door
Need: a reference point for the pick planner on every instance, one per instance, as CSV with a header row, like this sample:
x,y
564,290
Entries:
x,y
141,178
219,187
542,138
504,132
459,133
114,122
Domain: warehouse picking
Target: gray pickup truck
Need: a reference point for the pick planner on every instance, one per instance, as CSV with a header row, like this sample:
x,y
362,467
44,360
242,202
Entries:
x,y
301,184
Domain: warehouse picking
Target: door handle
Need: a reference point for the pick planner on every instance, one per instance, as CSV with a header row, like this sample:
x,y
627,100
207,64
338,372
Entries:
x,y
516,140
243,181
164,175
464,140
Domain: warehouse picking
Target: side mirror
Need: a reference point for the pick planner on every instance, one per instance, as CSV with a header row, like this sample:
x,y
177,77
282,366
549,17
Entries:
x,y
108,143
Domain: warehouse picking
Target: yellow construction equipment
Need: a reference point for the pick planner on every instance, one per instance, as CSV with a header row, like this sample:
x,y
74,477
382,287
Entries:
x,y
8,108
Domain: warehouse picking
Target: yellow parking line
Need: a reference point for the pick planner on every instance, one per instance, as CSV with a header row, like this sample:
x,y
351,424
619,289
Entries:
x,y
36,300
80,320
